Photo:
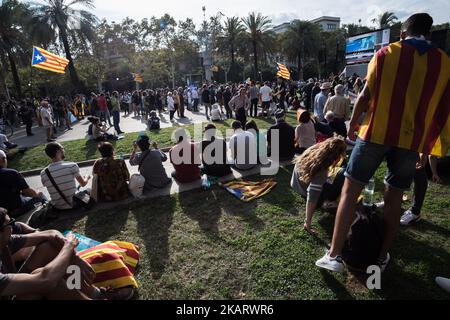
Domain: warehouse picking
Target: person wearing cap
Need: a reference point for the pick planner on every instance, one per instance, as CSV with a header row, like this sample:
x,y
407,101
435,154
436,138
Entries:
x,y
150,163
214,154
321,100
338,104
286,137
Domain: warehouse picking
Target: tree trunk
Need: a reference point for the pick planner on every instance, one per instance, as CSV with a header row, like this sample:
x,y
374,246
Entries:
x,y
255,56
300,67
232,54
72,71
15,74
3,73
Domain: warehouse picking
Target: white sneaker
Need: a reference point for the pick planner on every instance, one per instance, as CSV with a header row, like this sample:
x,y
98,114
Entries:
x,y
384,263
409,218
333,264
444,283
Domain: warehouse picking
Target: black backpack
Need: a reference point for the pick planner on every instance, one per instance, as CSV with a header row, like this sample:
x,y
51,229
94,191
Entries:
x,y
154,123
364,241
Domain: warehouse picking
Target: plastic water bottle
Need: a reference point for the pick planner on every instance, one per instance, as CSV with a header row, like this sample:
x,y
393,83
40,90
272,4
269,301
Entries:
x,y
369,190
206,183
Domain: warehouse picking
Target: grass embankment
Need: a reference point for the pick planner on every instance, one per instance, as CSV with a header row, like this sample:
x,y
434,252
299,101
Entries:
x,y
209,245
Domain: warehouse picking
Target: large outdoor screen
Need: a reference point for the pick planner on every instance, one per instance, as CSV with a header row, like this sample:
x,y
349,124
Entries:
x,y
361,48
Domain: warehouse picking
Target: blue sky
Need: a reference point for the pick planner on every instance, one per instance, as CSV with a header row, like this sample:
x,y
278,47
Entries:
x,y
279,11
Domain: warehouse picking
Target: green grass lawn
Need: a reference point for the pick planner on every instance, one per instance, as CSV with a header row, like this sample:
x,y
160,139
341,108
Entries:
x,y
209,245
82,150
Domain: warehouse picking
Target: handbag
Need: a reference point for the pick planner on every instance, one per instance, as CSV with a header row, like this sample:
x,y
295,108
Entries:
x,y
137,181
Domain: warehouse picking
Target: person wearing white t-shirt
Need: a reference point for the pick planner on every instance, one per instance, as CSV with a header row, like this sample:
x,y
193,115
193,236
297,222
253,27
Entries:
x,y
47,120
65,174
171,105
243,147
266,96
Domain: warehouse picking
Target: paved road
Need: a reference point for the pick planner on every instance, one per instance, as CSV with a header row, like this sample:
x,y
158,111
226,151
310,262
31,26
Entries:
x,y
128,124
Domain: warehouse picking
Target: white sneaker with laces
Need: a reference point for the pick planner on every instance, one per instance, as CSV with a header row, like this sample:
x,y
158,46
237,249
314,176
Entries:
x,y
384,263
333,264
409,218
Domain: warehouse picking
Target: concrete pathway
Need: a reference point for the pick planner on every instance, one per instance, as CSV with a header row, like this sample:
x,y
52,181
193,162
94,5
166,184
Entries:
x,y
128,124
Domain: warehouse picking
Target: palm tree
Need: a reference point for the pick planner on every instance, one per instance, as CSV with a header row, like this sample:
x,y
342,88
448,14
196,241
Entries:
x,y
301,41
230,39
69,24
387,19
260,35
233,32
12,38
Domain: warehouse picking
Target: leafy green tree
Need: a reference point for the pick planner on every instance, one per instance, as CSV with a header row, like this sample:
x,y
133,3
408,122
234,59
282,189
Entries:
x,y
386,19
260,36
69,23
300,42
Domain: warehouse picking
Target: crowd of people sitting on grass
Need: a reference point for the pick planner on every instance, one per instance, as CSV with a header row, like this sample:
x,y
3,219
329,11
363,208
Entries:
x,y
321,174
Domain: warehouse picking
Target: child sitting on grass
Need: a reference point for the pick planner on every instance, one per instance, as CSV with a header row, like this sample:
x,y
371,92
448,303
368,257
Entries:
x,y
311,176
154,121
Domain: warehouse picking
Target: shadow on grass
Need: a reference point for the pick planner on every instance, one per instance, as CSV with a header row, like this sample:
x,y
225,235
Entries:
x,y
95,224
426,225
284,198
422,261
205,211
91,148
336,286
213,204
153,225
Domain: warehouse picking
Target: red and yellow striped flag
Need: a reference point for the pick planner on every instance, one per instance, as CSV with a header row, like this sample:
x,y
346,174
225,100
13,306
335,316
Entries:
x,y
283,71
409,84
48,61
137,77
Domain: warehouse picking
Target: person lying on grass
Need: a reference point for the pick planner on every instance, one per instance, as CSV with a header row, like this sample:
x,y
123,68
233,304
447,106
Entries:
x,y
311,175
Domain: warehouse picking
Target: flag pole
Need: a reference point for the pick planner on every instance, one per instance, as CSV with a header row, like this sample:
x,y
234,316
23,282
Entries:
x,y
31,81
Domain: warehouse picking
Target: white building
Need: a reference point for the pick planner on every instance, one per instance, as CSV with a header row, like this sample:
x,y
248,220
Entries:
x,y
282,28
325,23
328,23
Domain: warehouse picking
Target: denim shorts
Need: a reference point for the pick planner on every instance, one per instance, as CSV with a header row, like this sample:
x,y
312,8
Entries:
x,y
367,157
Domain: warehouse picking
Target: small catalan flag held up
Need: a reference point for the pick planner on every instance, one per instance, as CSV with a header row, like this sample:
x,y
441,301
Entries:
x,y
283,71
48,61
137,77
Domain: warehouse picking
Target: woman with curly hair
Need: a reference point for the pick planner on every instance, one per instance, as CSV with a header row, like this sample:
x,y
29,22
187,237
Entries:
x,y
313,175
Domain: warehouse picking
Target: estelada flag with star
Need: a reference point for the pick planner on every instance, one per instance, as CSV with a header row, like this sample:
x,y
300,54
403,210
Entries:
x,y
48,61
283,71
137,77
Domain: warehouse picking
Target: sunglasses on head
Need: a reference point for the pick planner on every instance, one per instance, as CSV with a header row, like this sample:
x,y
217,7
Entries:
x,y
11,223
